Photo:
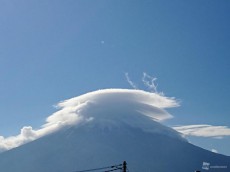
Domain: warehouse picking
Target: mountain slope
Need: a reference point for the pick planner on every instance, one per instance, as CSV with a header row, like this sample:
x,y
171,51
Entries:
x,y
105,128
91,145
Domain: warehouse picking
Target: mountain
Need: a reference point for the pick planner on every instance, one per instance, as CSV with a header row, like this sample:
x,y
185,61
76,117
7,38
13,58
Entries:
x,y
111,128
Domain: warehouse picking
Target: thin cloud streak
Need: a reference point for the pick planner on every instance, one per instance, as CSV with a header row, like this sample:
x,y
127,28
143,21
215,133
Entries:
x,y
204,130
131,83
149,82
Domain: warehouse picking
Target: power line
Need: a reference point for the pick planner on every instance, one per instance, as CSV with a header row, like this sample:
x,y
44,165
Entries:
x,y
113,169
103,168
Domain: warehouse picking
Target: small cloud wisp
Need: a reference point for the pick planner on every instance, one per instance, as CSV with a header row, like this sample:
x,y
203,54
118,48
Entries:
x,y
204,130
131,83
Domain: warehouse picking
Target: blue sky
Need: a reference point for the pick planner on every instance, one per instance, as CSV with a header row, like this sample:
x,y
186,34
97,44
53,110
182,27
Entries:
x,y
54,50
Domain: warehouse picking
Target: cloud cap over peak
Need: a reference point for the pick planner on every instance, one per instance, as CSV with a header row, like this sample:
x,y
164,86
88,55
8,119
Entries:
x,y
124,104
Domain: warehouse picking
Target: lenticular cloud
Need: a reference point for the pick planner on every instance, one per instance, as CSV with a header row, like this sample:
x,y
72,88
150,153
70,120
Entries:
x,y
108,104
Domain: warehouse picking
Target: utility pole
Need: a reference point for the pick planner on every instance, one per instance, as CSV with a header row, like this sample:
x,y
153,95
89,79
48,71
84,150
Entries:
x,y
124,166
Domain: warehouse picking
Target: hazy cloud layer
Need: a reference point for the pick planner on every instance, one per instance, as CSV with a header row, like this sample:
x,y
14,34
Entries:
x,y
204,130
97,104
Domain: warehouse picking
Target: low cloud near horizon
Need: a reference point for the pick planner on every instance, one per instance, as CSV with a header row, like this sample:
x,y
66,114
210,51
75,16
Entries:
x,y
204,130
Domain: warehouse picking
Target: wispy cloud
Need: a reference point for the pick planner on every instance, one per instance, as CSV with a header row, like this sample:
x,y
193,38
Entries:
x,y
204,130
150,83
131,83
147,80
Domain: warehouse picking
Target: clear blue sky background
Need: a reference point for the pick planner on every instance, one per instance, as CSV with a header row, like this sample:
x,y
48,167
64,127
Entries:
x,y
51,50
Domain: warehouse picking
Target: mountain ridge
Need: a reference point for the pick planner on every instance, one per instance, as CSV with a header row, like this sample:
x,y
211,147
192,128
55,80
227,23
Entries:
x,y
88,146
104,128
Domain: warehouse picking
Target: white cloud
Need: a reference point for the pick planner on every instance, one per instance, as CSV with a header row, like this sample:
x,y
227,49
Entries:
x,y
131,83
149,82
97,105
28,132
204,130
